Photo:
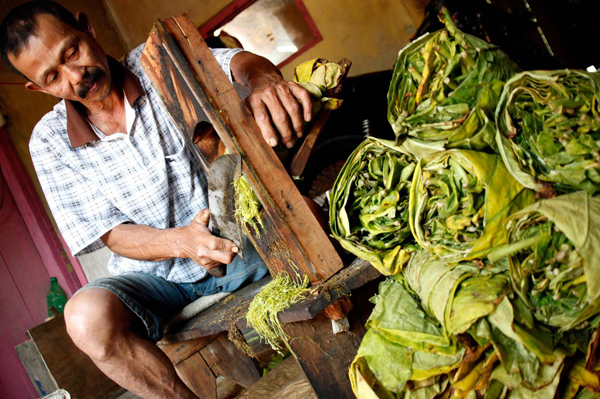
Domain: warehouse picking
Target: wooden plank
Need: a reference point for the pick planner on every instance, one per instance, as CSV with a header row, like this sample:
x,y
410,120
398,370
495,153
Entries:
x,y
72,370
225,359
325,357
176,96
209,144
311,253
301,157
232,310
339,309
287,380
36,369
219,317
197,375
180,351
359,273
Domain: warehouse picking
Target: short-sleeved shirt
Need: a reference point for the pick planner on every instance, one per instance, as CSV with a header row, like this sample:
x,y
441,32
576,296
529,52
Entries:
x,y
146,176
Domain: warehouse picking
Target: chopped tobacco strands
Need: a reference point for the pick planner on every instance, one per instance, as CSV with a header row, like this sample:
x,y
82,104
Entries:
x,y
277,296
247,205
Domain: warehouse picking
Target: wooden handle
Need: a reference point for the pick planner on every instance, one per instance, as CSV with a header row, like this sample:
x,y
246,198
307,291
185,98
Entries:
x,y
218,272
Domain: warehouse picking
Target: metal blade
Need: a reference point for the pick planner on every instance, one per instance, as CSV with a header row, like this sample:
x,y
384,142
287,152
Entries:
x,y
221,199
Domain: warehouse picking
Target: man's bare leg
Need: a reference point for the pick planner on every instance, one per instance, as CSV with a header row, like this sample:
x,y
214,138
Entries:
x,y
99,324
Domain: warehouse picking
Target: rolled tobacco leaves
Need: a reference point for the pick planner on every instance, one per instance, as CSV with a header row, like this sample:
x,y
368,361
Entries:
x,y
459,200
453,331
318,76
445,88
369,205
549,130
554,255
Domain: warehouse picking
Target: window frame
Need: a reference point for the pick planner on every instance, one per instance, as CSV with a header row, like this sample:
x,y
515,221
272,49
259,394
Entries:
x,y
232,10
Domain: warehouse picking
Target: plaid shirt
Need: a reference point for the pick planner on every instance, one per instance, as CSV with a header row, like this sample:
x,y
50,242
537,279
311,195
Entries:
x,y
146,176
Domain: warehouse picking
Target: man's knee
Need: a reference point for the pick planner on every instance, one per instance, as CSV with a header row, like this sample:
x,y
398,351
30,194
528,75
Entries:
x,y
96,320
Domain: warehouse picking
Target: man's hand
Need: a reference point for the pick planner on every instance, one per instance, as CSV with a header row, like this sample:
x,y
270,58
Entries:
x,y
276,109
199,245
280,108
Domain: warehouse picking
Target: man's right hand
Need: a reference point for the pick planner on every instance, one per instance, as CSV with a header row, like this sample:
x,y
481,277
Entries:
x,y
201,246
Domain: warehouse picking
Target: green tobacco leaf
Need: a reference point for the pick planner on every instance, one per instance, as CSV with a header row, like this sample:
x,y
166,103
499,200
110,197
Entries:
x,y
548,129
456,295
399,317
445,87
554,256
304,71
459,201
401,345
374,354
369,205
477,297
312,89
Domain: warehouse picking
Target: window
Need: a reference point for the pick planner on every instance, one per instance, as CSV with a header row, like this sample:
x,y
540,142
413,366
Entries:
x,y
279,30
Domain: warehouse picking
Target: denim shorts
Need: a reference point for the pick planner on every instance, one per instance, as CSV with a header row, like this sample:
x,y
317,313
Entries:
x,y
155,300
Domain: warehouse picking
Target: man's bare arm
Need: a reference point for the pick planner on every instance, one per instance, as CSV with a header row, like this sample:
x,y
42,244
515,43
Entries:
x,y
273,101
194,241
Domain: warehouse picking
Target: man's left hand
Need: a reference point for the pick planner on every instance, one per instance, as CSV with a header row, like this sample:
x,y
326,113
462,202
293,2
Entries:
x,y
280,108
283,107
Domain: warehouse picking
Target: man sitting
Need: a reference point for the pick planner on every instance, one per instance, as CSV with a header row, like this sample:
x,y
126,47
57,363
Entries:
x,y
116,172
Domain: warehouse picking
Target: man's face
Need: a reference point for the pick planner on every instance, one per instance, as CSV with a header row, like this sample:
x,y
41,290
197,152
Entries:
x,y
64,62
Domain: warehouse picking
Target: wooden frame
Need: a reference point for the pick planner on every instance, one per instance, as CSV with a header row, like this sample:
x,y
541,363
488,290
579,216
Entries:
x,y
232,10
189,80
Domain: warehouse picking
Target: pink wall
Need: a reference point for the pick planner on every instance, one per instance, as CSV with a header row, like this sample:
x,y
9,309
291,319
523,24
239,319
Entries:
x,y
30,253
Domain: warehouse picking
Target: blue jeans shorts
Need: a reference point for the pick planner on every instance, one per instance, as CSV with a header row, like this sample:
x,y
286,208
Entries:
x,y
155,300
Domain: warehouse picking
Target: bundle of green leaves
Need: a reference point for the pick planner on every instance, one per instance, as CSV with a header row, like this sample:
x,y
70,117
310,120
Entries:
x,y
369,205
453,331
445,88
554,254
549,130
459,200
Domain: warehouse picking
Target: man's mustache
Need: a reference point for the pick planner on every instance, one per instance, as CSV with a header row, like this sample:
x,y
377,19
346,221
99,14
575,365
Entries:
x,y
91,77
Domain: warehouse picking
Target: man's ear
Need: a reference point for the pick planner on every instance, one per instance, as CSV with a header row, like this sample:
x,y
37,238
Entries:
x,y
33,87
85,24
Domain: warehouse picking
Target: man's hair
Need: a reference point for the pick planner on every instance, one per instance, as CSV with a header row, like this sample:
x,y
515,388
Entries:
x,y
20,24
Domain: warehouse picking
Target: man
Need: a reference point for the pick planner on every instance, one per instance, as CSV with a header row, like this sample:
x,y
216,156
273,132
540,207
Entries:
x,y
116,172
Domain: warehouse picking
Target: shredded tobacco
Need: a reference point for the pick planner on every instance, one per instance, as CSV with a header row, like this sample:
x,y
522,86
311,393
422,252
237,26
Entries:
x,y
278,295
247,206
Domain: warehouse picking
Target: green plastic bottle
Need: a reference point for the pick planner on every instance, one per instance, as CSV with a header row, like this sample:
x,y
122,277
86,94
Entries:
x,y
56,297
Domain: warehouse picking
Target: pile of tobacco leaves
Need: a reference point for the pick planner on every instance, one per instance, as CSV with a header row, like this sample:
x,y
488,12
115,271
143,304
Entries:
x,y
482,214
